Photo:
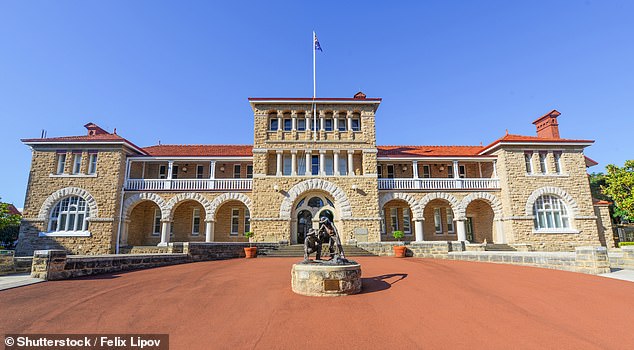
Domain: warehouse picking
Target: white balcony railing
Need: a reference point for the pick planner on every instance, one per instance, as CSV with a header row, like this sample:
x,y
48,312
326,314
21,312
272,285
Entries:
x,y
438,184
188,184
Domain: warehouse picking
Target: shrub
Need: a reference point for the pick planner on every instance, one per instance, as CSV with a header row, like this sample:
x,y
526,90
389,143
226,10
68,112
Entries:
x,y
622,244
398,234
8,235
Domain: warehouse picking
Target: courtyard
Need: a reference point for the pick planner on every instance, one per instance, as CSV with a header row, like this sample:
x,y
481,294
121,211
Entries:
x,y
405,303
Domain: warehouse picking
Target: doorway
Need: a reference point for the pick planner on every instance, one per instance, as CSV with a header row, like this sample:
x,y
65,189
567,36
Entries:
x,y
304,223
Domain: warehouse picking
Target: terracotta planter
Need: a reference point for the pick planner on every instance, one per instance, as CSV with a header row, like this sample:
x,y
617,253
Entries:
x,y
251,252
399,251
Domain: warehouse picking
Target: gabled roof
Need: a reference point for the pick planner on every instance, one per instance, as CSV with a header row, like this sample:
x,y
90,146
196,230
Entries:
x,y
199,150
428,151
512,139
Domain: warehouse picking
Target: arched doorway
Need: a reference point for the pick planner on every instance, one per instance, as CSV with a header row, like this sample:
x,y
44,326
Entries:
x,y
144,224
479,225
439,222
307,212
396,215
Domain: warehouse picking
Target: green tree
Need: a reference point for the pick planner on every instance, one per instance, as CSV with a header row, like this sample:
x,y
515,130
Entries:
x,y
619,182
9,226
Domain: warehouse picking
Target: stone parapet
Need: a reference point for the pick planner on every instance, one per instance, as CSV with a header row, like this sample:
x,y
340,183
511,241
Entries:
x,y
438,249
6,262
550,260
622,258
592,260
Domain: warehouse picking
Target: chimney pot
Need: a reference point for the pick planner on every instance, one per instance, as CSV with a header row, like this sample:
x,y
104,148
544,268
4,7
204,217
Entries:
x,y
547,126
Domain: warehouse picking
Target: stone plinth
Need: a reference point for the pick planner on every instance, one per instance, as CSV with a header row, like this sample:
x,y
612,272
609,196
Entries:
x,y
325,280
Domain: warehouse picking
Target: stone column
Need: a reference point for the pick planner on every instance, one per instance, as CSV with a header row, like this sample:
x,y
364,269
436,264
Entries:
x,y
322,162
165,233
309,163
322,116
350,163
124,232
280,119
349,117
307,116
209,230
418,230
168,182
212,169
495,170
335,119
336,162
499,229
294,120
294,162
461,230
415,169
279,163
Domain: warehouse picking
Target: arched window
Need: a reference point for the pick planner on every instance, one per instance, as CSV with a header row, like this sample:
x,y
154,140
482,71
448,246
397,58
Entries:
x,y
550,213
315,202
69,214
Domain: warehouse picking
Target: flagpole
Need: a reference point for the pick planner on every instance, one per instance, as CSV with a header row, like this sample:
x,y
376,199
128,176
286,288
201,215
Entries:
x,y
314,90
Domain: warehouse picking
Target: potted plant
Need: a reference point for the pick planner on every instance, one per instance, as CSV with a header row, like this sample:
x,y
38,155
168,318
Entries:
x,y
250,251
399,250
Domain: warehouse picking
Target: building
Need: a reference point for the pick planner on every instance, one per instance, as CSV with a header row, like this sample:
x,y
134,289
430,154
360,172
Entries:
x,y
99,192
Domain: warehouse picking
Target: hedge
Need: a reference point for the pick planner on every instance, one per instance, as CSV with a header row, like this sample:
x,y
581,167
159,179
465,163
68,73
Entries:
x,y
621,244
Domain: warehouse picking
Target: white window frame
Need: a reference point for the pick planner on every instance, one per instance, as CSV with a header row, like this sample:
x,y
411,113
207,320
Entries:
x,y
426,172
76,163
450,225
287,166
450,171
437,221
92,163
388,171
543,162
249,171
195,215
301,124
382,223
551,215
358,126
235,215
557,159
329,121
61,163
157,219
394,219
237,170
528,162
271,122
162,172
343,125
247,220
62,211
462,171
407,221
290,124
200,171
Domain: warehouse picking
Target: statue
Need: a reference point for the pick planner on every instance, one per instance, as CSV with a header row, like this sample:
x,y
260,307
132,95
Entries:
x,y
312,244
328,230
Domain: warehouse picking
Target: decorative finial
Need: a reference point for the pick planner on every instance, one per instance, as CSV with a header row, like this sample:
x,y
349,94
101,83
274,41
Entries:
x,y
115,131
507,131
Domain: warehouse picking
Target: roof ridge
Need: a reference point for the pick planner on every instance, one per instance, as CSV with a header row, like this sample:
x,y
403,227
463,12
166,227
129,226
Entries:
x,y
199,144
429,146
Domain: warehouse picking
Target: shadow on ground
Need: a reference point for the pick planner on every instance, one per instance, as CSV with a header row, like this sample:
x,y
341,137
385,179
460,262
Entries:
x,y
379,283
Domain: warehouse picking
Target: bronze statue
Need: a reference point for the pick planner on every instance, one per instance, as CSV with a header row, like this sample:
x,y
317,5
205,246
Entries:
x,y
312,244
328,230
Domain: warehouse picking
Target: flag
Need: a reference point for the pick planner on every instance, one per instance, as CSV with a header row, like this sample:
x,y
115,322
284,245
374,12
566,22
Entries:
x,y
317,46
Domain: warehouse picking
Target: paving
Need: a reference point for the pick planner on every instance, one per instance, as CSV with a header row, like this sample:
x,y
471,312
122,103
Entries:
x,y
624,275
17,280
405,304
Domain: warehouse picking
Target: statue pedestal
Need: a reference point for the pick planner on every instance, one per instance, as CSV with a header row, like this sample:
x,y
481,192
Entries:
x,y
323,279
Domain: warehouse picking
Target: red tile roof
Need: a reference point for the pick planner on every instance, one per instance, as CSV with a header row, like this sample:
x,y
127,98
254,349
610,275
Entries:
x,y
200,150
532,139
13,210
82,138
590,162
428,151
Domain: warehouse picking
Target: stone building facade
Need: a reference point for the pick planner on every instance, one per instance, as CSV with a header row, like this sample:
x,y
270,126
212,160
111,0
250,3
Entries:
x,y
310,158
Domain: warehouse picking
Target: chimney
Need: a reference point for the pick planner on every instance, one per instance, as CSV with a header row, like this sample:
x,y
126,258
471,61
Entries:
x,y
359,96
547,126
94,129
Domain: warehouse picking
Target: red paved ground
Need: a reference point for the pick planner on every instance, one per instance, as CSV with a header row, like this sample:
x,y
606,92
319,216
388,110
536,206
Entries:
x,y
407,303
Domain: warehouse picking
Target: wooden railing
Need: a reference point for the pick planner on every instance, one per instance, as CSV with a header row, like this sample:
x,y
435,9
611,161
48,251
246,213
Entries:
x,y
438,184
188,184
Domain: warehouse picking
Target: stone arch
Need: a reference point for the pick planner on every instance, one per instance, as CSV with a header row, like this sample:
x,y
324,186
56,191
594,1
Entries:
x,y
66,192
571,204
417,212
218,201
453,202
135,199
495,203
174,201
341,200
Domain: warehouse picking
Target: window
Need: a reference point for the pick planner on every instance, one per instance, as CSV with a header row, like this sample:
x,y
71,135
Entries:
x,y
162,172
76,163
199,171
528,161
273,124
315,165
61,162
301,124
379,171
407,224
249,171
449,220
557,156
196,222
341,124
157,222
390,171
174,171
286,164
69,214
437,221
92,163
542,162
449,170
343,166
550,213
462,172
329,164
356,124
394,219
247,220
236,171
328,124
382,223
235,221
301,164
426,172
288,124
315,202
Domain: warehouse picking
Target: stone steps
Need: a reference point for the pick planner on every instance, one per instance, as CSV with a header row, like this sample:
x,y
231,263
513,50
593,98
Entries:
x,y
499,248
297,250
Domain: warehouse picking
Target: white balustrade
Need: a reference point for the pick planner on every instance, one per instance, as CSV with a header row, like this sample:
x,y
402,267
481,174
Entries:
x,y
438,184
188,184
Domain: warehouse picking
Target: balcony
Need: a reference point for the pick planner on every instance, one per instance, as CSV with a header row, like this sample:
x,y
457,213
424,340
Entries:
x,y
439,184
188,184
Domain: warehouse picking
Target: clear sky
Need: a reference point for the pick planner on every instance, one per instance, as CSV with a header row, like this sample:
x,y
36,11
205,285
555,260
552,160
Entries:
x,y
449,72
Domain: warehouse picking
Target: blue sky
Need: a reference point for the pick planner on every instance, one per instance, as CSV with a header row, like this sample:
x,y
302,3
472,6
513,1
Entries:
x,y
449,72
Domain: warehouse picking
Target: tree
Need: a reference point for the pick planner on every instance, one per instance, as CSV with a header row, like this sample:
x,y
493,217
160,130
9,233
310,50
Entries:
x,y
619,182
9,226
